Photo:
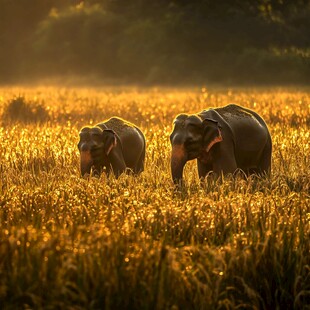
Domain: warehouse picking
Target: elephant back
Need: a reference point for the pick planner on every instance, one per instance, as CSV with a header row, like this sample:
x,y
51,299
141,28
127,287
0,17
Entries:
x,y
234,112
117,124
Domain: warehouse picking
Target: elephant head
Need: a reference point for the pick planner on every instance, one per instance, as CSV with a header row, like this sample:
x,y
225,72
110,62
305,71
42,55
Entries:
x,y
192,137
96,148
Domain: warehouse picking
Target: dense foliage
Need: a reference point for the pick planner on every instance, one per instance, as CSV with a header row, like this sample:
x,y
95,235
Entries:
x,y
134,243
175,41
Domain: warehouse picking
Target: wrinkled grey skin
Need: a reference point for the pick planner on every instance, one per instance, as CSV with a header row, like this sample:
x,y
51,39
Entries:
x,y
222,140
113,145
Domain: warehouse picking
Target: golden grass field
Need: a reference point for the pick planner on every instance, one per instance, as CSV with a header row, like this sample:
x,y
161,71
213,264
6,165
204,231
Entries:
x,y
134,243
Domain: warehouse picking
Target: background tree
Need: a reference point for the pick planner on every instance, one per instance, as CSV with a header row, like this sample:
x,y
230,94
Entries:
x,y
176,41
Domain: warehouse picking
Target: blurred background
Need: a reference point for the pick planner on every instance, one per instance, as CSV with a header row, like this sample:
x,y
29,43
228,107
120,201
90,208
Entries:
x,y
163,42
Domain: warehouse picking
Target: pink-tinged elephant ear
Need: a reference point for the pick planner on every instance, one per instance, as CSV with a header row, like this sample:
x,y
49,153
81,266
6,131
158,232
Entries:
x,y
109,140
211,134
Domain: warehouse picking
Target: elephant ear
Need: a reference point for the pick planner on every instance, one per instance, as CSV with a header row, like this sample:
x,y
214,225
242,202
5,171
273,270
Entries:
x,y
109,140
211,133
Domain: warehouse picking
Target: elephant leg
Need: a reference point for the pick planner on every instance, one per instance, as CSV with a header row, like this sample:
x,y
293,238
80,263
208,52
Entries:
x,y
203,169
117,161
98,169
224,164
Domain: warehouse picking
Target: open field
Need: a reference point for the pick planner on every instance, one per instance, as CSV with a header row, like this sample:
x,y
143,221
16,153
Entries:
x,y
133,243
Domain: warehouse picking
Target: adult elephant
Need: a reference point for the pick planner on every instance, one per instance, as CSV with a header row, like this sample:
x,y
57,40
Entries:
x,y
113,145
222,140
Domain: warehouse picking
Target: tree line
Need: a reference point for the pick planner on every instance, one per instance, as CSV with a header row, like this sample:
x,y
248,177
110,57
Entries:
x,y
157,42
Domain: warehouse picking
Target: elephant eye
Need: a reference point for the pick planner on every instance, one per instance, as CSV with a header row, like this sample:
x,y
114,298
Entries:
x,y
190,141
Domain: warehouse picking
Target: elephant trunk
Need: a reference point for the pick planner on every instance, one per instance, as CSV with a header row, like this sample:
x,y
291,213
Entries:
x,y
178,160
86,162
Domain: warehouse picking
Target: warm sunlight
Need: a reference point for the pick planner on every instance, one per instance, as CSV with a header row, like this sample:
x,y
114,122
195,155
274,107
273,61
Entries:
x,y
154,155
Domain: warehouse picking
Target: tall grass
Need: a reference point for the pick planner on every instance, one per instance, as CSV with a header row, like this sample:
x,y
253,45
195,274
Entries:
x,y
133,243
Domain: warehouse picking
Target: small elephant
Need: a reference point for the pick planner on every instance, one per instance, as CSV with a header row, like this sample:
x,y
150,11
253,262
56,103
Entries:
x,y
222,140
114,144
